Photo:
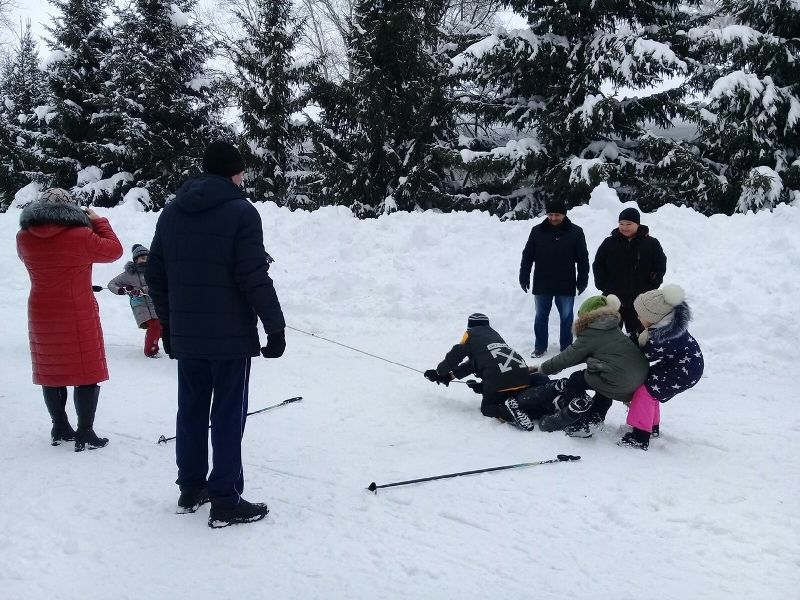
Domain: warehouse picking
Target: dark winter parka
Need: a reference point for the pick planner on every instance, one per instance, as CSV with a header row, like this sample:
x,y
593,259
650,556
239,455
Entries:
x,y
678,360
626,268
58,244
207,272
142,306
615,366
556,251
483,352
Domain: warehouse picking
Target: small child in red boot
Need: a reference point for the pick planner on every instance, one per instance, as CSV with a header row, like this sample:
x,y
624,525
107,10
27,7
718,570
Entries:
x,y
132,282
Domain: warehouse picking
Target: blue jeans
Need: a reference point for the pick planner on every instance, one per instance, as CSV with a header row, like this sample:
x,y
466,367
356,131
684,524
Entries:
x,y
564,304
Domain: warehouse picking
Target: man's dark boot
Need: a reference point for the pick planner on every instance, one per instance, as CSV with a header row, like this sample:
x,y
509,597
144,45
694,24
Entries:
x,y
86,397
55,398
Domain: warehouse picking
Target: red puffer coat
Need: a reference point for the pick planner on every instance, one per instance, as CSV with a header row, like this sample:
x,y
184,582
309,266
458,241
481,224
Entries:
x,y
58,245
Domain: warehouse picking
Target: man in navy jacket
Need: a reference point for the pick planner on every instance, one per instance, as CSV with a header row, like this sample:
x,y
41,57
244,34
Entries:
x,y
208,278
557,246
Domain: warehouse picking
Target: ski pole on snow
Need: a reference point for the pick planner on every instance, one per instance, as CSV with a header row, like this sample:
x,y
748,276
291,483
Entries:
x,y
560,458
164,440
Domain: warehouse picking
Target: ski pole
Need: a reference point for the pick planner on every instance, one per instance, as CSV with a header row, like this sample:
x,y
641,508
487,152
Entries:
x,y
164,440
560,458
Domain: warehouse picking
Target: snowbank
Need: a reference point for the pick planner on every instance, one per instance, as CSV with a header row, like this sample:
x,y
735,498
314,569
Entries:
x,y
709,512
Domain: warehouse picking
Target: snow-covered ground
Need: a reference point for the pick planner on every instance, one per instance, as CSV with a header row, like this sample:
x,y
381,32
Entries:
x,y
710,512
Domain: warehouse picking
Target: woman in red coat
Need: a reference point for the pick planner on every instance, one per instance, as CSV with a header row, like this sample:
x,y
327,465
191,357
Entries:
x,y
59,242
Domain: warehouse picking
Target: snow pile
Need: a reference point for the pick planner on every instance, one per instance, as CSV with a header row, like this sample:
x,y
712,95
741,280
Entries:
x,y
177,17
708,512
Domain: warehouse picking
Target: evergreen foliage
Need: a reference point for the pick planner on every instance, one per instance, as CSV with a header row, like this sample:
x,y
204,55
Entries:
x,y
553,82
270,88
23,90
162,105
80,44
382,142
749,71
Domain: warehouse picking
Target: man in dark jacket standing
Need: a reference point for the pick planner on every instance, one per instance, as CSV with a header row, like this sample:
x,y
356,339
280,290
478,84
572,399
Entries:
x,y
557,246
629,262
208,278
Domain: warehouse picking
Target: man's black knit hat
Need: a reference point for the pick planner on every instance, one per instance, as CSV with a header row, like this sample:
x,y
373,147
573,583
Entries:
x,y
222,158
630,214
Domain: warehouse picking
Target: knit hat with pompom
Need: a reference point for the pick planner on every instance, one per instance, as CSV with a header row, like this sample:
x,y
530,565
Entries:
x,y
654,305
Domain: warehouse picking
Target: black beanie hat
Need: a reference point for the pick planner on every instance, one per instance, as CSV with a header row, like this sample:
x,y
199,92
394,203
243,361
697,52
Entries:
x,y
555,206
139,250
222,158
477,320
630,214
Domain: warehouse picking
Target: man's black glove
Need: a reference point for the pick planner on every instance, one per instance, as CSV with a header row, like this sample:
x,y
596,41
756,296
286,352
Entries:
x,y
475,386
432,375
524,282
165,339
276,344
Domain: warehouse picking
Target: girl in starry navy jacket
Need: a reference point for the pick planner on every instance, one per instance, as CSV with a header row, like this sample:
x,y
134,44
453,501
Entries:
x,y
675,357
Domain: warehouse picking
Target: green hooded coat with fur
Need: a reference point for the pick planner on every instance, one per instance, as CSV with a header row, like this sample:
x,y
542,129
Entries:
x,y
615,367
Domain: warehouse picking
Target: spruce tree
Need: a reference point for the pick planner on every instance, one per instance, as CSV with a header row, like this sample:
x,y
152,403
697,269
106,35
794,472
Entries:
x,y
79,43
163,106
555,82
23,100
270,88
381,144
749,75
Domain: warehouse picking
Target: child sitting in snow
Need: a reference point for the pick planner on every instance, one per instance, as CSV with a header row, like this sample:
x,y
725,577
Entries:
x,y
615,367
132,283
679,361
483,352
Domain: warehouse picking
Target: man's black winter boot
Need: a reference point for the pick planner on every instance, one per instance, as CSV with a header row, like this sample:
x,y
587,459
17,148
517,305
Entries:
x,y
55,398
222,515
86,397
190,500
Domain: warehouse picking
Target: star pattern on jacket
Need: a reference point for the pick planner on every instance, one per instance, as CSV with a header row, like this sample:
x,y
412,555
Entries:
x,y
676,362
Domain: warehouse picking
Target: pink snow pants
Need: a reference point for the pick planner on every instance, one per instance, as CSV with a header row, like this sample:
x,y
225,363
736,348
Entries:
x,y
644,411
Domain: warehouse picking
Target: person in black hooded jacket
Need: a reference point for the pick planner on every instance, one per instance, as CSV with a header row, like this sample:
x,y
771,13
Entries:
x,y
629,262
484,353
208,276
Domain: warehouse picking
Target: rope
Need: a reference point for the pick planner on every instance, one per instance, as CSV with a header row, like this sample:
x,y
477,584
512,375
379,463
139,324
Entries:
x,y
314,335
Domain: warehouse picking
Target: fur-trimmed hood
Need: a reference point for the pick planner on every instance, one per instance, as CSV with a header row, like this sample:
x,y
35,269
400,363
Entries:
x,y
49,213
606,317
675,328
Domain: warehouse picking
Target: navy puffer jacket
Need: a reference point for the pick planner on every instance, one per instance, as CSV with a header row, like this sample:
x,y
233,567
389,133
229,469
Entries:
x,y
208,272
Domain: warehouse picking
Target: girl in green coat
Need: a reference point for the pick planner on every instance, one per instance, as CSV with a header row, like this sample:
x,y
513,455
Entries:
x,y
615,367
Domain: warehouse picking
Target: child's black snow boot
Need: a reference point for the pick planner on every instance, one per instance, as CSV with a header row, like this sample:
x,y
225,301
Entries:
x,y
638,438
567,414
86,397
518,416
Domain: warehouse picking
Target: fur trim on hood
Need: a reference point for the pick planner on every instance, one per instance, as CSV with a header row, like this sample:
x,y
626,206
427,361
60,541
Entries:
x,y
582,323
677,327
48,213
